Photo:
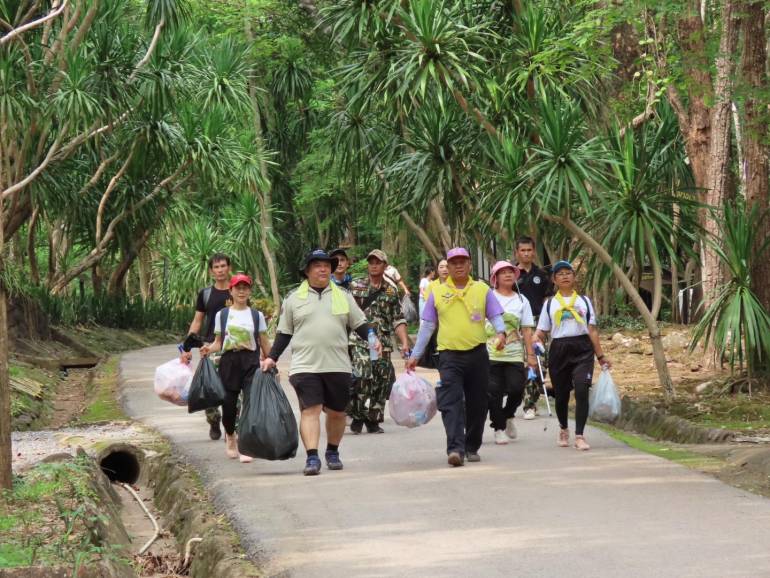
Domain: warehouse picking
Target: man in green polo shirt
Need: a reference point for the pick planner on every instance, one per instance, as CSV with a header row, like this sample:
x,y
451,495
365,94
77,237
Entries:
x,y
316,318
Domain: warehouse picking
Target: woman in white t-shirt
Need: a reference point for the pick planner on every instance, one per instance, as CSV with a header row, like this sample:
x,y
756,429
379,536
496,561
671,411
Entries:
x,y
571,321
507,373
241,333
428,275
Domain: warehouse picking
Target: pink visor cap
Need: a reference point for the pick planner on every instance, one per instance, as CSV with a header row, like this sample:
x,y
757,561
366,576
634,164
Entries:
x,y
499,266
457,252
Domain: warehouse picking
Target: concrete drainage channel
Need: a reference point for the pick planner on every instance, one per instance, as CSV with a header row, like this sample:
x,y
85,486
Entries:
x,y
170,525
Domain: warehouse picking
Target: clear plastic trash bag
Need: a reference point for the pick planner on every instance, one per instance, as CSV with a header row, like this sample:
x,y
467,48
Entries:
x,y
412,400
172,381
604,403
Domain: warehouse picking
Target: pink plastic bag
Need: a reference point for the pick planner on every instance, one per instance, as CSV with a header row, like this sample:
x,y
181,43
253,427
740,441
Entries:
x,y
412,401
172,381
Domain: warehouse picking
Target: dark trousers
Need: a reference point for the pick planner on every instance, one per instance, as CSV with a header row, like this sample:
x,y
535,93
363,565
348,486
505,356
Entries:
x,y
571,365
236,370
506,380
462,397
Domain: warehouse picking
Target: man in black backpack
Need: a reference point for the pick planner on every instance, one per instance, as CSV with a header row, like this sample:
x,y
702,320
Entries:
x,y
210,301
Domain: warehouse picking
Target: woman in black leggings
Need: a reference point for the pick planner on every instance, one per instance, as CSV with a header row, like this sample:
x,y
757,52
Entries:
x,y
241,333
571,322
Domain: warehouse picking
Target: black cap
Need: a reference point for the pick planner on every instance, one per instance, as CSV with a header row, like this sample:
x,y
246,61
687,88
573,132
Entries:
x,y
338,251
317,255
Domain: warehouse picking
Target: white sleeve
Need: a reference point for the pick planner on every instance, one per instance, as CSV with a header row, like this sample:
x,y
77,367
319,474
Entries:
x,y
527,320
262,323
592,313
217,323
544,324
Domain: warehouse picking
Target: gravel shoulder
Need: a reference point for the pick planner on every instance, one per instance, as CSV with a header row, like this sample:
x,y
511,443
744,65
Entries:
x,y
529,507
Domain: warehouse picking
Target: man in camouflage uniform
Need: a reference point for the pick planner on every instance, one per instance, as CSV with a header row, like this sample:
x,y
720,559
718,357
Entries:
x,y
373,379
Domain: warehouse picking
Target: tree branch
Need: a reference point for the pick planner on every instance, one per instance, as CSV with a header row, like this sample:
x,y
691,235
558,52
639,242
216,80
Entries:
x,y
110,187
34,24
34,174
150,49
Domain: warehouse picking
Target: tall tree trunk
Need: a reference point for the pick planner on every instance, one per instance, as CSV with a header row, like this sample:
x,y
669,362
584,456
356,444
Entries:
x,y
423,236
264,196
755,132
34,270
720,150
657,278
436,213
6,479
117,280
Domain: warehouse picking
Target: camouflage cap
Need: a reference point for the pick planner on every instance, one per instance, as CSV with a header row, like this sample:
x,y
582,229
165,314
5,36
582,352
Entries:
x,y
377,254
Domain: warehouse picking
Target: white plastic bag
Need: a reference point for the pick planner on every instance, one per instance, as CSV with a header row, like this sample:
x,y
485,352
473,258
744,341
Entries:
x,y
172,381
412,401
604,404
408,309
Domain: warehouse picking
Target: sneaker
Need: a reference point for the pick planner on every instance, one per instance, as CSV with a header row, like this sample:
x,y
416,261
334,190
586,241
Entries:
x,y
500,438
564,438
455,459
244,459
529,413
215,432
473,457
312,466
510,429
231,446
333,460
581,444
374,427
356,426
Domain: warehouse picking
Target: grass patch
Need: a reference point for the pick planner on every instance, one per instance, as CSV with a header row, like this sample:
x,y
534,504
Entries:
x,y
103,402
675,454
734,412
43,519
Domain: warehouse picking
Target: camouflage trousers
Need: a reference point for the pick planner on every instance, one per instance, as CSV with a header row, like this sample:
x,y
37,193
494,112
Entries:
x,y
367,400
533,389
213,416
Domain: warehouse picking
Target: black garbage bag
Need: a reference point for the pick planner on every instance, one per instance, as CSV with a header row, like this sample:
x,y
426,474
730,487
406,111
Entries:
x,y
267,429
429,359
206,389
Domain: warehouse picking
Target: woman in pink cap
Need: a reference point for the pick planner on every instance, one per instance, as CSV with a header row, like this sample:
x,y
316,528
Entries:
x,y
507,374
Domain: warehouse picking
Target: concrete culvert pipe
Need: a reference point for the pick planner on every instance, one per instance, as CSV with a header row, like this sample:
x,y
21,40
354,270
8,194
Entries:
x,y
121,463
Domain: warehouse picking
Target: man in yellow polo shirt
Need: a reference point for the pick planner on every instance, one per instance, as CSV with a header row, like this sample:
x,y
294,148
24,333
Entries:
x,y
459,307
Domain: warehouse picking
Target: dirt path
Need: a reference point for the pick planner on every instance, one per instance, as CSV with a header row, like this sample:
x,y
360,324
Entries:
x,y
528,508
71,397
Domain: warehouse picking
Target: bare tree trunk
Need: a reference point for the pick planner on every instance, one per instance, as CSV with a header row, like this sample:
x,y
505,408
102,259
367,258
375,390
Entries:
x,y
6,458
265,196
423,236
657,279
436,213
720,152
130,254
755,133
34,270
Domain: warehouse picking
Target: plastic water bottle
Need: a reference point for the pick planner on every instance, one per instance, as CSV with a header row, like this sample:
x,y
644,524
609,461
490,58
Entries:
x,y
372,339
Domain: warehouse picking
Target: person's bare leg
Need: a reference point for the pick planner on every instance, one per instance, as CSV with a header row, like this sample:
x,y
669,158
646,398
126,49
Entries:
x,y
310,426
335,426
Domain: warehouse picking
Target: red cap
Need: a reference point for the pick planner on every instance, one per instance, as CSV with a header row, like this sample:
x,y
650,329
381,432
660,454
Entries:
x,y
240,278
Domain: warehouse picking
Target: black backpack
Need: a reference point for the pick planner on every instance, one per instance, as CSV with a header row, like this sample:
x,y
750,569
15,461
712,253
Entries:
x,y
254,316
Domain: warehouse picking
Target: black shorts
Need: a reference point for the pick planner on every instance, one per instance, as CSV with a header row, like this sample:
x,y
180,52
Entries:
x,y
331,390
571,362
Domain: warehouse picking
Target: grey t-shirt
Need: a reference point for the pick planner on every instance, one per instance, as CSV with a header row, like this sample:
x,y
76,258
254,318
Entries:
x,y
319,342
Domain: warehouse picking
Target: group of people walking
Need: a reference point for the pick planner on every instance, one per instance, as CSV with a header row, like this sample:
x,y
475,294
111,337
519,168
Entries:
x,y
344,332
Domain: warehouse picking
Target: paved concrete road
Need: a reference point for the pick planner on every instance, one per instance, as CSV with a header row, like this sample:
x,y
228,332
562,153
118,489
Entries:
x,y
528,509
